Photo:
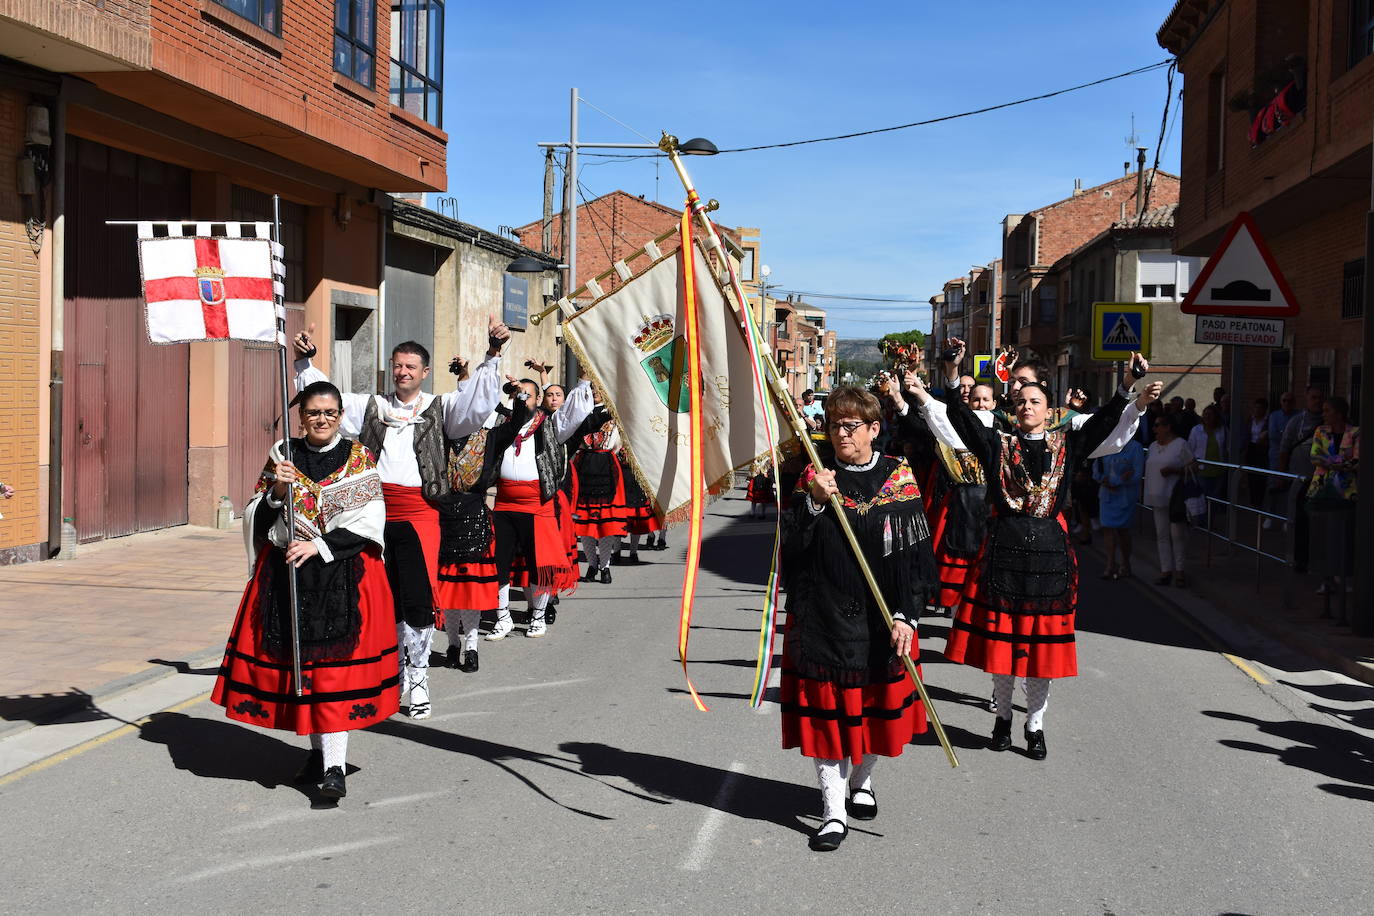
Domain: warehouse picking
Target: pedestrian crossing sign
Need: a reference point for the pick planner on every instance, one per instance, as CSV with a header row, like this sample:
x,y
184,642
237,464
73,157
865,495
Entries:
x,y
982,368
1120,329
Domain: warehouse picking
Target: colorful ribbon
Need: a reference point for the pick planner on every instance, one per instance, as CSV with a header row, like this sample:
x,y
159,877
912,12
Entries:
x,y
697,435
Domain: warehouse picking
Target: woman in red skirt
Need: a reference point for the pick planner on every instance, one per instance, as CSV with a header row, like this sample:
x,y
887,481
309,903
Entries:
x,y
846,698
1016,618
347,625
598,493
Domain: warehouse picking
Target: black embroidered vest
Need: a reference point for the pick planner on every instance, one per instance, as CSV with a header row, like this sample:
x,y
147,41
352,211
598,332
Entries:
x,y
431,453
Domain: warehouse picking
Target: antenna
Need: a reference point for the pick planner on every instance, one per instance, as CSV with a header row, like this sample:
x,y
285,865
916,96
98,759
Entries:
x,y
1133,140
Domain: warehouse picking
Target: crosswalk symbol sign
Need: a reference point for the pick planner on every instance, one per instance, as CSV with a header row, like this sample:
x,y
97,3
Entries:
x,y
1120,329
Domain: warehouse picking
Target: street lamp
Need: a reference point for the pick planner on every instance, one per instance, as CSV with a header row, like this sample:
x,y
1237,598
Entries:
x,y
528,265
697,146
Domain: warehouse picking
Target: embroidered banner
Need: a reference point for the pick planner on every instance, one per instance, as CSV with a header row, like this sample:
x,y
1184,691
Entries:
x,y
199,288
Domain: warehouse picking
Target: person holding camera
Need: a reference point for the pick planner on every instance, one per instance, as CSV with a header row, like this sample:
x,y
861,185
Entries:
x,y
1016,617
408,431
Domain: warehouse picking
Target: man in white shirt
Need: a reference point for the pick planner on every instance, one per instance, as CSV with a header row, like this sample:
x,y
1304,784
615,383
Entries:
x,y
407,431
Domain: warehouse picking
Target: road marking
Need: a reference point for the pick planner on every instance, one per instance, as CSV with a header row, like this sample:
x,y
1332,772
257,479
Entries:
x,y
701,849
281,817
485,691
1245,666
285,858
83,747
404,799
463,715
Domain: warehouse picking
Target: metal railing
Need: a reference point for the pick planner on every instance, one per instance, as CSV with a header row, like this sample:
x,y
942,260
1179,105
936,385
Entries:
x,y
1233,535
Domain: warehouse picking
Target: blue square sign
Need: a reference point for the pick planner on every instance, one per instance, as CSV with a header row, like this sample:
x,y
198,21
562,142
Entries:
x,y
1120,329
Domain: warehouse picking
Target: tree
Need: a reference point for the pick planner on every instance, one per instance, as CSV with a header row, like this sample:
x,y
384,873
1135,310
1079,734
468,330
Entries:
x,y
903,337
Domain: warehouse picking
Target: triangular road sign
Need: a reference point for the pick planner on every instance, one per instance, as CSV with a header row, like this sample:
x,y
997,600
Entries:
x,y
1241,278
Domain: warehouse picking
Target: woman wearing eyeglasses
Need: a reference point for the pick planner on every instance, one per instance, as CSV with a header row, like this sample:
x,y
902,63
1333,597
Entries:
x,y
349,672
846,698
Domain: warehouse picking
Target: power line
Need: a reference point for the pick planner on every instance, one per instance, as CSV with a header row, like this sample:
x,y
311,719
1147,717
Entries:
x,y
1163,125
950,117
798,292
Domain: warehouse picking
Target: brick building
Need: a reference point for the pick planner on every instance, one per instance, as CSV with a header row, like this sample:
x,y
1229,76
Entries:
x,y
158,109
1277,121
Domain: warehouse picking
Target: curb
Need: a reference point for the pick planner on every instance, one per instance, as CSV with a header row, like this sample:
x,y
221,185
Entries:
x,y
57,708
1296,640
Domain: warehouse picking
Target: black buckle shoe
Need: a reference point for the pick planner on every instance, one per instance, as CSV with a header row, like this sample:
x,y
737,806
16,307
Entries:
x,y
606,576
1035,745
591,574
333,784
1001,734
469,665
830,840
862,810
550,614
453,658
312,770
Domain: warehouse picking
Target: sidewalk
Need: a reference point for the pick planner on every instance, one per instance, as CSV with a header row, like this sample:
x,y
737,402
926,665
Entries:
x,y
1231,582
123,611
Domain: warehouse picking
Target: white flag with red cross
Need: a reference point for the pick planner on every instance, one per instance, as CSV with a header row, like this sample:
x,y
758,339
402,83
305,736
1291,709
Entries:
x,y
204,287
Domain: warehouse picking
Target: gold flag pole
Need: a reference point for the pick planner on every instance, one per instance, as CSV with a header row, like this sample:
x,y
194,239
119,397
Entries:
x,y
783,397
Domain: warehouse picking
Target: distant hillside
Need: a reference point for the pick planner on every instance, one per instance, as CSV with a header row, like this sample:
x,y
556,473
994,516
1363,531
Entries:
x,y
860,350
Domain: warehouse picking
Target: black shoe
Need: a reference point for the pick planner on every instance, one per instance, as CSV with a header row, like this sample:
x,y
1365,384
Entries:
x,y
454,657
1001,734
862,810
634,557
591,574
312,770
1035,744
825,842
606,576
550,614
333,786
662,544
469,665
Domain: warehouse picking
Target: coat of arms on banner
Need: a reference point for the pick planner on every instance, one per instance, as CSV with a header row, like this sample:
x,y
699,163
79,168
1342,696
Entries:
x,y
210,284
663,361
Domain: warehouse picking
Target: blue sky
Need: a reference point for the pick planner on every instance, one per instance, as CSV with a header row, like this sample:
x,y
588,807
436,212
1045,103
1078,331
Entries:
x,y
890,215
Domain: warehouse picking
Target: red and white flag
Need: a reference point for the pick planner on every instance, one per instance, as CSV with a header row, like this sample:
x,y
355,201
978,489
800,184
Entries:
x,y
203,288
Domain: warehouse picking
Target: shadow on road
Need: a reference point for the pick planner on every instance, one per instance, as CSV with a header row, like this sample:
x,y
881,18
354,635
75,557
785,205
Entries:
x,y
40,708
215,749
181,667
1323,749
753,797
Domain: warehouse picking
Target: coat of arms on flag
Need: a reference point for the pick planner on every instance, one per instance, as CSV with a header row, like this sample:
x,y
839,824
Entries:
x,y
209,288
632,342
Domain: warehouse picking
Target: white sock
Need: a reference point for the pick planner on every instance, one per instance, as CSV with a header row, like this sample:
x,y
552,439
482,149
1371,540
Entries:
x,y
503,598
1002,687
1037,701
335,747
472,621
832,776
862,777
539,600
609,545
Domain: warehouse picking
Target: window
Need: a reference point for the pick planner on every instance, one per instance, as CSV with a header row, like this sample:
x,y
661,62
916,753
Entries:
x,y
1352,289
1162,275
1049,298
265,14
417,58
1361,30
355,40
1157,291
1025,308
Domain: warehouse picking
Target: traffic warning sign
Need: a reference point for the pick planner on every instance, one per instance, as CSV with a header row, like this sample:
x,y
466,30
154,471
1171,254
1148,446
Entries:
x,y
1120,329
1241,278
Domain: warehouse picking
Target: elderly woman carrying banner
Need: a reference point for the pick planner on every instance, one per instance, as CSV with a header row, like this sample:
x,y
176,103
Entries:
x,y
1016,618
347,629
846,698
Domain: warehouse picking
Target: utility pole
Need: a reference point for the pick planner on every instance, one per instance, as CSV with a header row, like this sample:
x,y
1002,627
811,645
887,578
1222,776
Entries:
x,y
546,235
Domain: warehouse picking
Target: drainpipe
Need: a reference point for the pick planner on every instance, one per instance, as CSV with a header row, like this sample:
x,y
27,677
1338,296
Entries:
x,y
57,285
1139,182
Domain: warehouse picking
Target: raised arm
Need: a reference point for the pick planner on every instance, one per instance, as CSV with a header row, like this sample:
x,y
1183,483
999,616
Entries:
x,y
1107,431
307,373
577,406
467,408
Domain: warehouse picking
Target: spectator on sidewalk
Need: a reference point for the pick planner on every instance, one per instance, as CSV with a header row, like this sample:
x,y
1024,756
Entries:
x,y
1332,493
1301,426
7,492
1208,442
1295,457
1188,416
1164,466
1257,449
1278,421
1118,477
812,409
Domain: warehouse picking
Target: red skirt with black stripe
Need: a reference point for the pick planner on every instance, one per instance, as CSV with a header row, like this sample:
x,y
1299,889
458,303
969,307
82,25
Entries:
x,y
341,694
597,517
834,723
955,571
469,586
1020,644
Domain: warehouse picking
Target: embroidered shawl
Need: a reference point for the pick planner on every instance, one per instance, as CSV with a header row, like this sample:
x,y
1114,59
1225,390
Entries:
x,y
1023,495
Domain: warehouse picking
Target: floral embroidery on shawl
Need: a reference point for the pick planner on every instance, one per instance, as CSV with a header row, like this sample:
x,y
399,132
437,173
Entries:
x,y
900,487
1021,493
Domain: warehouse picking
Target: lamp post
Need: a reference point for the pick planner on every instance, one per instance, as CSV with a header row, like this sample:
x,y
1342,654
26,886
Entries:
x,y
698,146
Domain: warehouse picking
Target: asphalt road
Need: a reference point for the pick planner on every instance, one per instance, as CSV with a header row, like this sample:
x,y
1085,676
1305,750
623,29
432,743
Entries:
x,y
573,775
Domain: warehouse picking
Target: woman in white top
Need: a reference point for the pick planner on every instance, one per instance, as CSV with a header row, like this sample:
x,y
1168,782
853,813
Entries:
x,y
1164,465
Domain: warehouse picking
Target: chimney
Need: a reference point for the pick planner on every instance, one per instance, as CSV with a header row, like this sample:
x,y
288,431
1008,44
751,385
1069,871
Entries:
x,y
1125,169
1077,186
1139,181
